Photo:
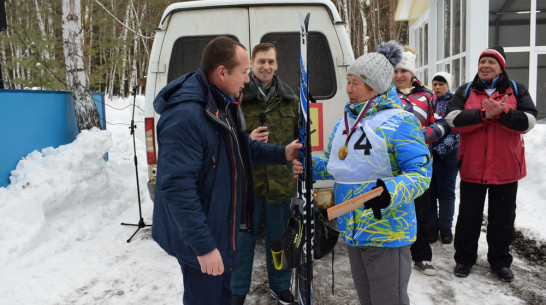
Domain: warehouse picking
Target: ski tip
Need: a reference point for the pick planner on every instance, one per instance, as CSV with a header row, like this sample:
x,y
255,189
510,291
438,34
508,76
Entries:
x,y
304,21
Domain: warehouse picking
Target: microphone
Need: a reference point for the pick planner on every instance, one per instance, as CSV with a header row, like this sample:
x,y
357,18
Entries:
x,y
261,118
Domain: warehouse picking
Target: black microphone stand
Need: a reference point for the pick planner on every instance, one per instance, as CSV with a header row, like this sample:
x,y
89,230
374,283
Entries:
x,y
141,224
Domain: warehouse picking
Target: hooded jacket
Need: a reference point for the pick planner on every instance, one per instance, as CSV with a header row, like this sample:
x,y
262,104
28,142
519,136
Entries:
x,y
491,151
404,166
204,181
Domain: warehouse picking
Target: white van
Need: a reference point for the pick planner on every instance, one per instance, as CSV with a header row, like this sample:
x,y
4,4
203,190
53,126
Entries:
x,y
186,27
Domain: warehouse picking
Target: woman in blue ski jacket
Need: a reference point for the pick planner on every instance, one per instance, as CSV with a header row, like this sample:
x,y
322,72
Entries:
x,y
377,143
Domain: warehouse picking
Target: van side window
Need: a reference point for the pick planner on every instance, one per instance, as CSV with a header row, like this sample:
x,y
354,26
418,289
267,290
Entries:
x,y
186,55
320,65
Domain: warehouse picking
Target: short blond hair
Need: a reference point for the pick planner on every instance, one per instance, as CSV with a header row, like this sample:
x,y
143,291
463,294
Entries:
x,y
408,48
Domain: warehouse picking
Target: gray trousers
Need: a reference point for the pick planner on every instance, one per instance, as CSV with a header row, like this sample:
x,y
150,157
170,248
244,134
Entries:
x,y
381,275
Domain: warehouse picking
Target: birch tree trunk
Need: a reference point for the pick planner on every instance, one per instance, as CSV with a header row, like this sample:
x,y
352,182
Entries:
x,y
87,115
365,36
124,54
41,26
3,76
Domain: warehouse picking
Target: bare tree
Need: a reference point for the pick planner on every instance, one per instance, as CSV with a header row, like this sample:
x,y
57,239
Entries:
x,y
41,26
117,38
379,15
87,115
370,22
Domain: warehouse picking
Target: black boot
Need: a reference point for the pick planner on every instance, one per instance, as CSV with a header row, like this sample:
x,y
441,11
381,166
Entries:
x,y
238,299
446,236
504,274
433,235
461,270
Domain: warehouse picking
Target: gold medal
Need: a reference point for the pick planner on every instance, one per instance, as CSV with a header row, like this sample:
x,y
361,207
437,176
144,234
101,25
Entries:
x,y
343,151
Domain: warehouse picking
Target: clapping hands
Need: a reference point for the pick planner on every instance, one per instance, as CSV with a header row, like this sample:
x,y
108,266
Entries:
x,y
493,108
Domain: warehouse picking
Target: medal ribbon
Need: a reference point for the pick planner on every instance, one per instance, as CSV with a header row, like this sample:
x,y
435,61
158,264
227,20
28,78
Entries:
x,y
358,119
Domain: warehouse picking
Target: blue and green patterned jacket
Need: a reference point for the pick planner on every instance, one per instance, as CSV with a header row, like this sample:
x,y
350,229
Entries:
x,y
411,168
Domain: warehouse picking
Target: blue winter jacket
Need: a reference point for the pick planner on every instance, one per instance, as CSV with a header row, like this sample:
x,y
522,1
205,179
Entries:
x,y
410,165
204,179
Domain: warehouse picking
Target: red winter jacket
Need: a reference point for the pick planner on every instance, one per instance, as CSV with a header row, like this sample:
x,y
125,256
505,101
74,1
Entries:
x,y
491,151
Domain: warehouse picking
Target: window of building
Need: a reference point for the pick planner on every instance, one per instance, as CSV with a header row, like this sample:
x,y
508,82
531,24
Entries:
x,y
541,86
517,67
447,28
456,40
541,23
421,37
509,26
424,54
463,27
509,23
461,80
456,73
451,38
439,31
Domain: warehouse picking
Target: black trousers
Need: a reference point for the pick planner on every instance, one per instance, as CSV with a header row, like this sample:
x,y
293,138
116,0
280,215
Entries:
x,y
501,214
420,249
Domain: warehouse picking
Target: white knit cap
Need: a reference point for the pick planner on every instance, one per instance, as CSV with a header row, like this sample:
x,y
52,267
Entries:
x,y
408,62
377,69
448,78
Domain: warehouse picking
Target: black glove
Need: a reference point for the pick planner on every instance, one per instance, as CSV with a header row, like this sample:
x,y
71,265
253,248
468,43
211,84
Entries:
x,y
380,202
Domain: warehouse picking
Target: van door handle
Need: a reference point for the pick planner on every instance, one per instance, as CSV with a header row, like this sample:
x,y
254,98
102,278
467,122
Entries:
x,y
157,67
344,61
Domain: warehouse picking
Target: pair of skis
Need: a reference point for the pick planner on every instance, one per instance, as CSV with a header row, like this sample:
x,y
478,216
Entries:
x,y
305,203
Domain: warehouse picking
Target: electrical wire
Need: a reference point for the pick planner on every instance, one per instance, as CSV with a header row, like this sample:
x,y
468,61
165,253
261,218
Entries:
x,y
27,47
32,44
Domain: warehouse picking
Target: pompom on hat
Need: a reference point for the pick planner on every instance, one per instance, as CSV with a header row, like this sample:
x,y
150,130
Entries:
x,y
497,52
377,69
444,77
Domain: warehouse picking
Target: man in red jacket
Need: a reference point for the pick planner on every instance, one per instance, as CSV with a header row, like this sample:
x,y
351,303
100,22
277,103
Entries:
x,y
491,115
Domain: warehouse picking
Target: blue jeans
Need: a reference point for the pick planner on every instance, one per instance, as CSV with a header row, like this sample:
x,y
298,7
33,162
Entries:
x,y
275,220
442,192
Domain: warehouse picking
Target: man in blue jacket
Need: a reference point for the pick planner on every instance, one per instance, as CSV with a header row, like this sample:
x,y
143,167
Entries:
x,y
204,179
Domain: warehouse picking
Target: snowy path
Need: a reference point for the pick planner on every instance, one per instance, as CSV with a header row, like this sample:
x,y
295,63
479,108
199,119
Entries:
x,y
62,242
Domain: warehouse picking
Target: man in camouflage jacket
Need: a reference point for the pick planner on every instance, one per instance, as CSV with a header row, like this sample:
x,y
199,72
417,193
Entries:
x,y
270,108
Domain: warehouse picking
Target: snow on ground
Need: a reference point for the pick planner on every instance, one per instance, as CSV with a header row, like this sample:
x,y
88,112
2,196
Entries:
x,y
62,241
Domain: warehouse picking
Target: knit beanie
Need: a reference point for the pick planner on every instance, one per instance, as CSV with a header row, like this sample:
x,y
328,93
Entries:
x,y
443,77
497,52
377,69
408,62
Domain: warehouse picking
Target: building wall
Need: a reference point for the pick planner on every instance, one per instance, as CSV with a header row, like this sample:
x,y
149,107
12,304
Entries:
x,y
449,35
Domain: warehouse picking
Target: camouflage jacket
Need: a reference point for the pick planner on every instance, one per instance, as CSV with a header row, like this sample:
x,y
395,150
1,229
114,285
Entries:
x,y
275,183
